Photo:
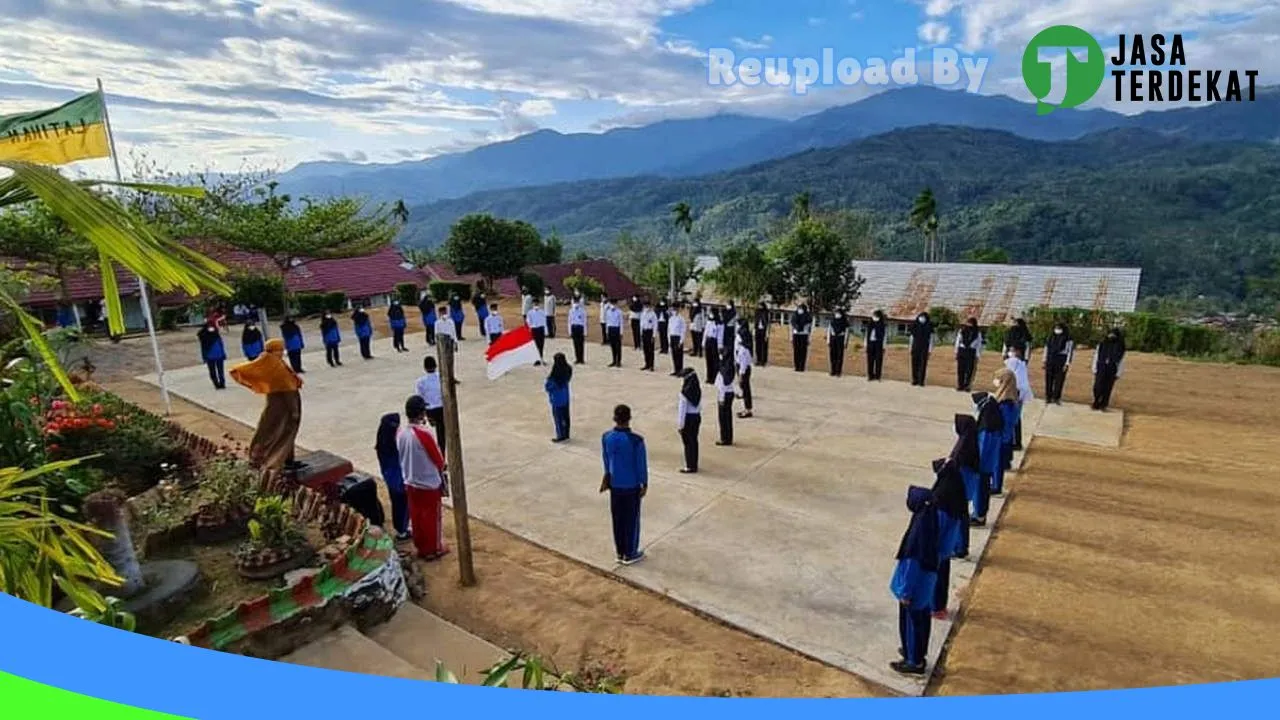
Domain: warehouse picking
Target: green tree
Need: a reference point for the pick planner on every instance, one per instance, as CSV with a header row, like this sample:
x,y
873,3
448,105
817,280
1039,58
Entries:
x,y
746,273
682,216
633,255
800,206
290,234
533,249
987,255
924,219
584,285
656,277
488,246
400,212
419,257
815,263
32,233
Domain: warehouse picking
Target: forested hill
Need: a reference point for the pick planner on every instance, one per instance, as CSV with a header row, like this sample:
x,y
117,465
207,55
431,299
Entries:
x,y
1197,217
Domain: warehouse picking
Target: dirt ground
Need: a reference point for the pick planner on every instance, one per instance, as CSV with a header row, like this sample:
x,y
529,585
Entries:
x,y
1149,565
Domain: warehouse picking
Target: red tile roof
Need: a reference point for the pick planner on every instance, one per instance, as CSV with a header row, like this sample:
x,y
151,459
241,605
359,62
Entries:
x,y
616,283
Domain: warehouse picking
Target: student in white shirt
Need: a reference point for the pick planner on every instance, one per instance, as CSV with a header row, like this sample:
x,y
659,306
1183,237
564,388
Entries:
x,y
697,328
801,326
1018,366
423,467
493,326
724,400
633,314
969,342
837,341
604,318
876,332
742,357
711,345
648,327
549,308
445,326
428,388
526,302
536,319
676,328
689,418
613,321
578,329
921,345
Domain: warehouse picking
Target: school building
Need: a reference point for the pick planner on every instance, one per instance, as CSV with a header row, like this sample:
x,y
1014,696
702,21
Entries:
x,y
995,294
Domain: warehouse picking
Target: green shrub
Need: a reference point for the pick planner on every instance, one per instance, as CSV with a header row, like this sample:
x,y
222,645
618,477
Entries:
x,y
585,285
944,319
259,290
1087,327
1145,332
533,283
1196,340
1265,348
170,316
335,302
408,294
309,303
442,291
993,337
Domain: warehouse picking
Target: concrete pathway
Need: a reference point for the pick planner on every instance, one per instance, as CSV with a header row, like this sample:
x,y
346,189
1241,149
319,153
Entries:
x,y
790,534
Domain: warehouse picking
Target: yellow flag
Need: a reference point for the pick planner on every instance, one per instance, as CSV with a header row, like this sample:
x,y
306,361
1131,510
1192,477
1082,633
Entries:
x,y
70,132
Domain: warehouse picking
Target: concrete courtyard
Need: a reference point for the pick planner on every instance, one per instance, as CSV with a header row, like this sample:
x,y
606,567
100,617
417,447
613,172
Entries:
x,y
790,534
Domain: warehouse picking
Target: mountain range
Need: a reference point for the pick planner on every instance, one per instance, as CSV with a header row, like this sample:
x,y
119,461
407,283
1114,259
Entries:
x,y
688,148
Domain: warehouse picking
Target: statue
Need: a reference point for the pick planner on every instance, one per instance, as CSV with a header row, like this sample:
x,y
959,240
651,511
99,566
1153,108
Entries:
x,y
272,447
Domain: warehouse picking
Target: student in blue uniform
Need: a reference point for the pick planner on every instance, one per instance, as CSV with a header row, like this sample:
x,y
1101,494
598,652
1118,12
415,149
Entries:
x,y
626,479
332,338
953,528
293,342
915,582
428,309
990,450
251,341
966,455
392,475
364,331
481,307
458,317
689,418
1007,399
213,354
557,387
397,323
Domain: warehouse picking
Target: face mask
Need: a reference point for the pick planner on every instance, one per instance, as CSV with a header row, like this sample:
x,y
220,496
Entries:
x,y
1057,331
920,320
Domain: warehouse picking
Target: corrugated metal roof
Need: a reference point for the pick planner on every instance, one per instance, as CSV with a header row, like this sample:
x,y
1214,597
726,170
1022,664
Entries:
x,y
992,293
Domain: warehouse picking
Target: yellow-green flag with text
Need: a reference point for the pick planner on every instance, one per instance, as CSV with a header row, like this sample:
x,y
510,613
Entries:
x,y
74,131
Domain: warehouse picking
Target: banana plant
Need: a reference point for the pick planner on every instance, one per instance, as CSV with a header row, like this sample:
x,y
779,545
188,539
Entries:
x,y
534,674
120,238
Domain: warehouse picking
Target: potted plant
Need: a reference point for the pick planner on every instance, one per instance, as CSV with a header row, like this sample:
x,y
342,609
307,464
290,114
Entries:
x,y
276,544
224,500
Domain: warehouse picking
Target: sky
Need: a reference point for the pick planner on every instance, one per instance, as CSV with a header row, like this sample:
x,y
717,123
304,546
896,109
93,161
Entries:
x,y
266,84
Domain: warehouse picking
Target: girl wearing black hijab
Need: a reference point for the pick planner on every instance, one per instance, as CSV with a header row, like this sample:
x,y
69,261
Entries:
x,y
1058,353
633,313
801,326
915,581
921,345
1108,366
332,337
953,528
251,340
875,346
392,474
689,418
837,338
990,450
397,322
711,346
293,342
1018,336
762,335
724,399
968,351
557,387
213,353
966,455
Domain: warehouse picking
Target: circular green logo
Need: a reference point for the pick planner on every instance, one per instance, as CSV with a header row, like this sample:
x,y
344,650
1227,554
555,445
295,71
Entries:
x,y
1083,77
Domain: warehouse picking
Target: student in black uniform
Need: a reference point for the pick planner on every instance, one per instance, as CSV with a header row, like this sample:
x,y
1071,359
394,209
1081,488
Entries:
x,y
742,358
729,316
801,325
648,326
697,328
689,418
1018,336
1108,366
633,313
676,329
724,398
711,346
837,340
761,322
921,345
664,319
969,342
1058,353
876,330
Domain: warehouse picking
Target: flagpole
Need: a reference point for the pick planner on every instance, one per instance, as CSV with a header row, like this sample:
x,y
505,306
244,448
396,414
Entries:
x,y
142,284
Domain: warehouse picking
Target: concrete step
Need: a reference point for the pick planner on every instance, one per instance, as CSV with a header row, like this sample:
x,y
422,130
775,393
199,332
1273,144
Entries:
x,y
346,649
421,638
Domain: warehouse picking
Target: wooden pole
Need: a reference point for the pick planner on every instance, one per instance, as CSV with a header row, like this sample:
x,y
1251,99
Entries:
x,y
453,459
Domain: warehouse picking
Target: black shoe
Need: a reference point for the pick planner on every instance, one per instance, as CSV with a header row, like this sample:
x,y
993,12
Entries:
x,y
997,493
977,522
905,668
723,444
687,471
339,364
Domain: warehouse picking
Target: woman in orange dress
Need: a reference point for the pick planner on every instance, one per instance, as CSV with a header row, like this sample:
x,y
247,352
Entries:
x,y
270,375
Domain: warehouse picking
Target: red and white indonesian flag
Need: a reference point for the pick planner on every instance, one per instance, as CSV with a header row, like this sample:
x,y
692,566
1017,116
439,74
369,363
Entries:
x,y
512,350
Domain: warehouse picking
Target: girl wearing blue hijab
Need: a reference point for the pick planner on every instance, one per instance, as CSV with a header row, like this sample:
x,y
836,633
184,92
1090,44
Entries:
x,y
389,462
914,581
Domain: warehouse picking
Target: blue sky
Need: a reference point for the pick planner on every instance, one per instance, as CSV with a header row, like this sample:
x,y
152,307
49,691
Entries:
x,y
269,83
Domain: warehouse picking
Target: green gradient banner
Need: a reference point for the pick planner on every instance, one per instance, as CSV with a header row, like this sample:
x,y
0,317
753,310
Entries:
x,y
22,699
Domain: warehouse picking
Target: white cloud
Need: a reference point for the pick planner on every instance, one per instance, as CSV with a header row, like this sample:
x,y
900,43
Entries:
x,y
764,42
938,8
816,21
934,33
537,108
